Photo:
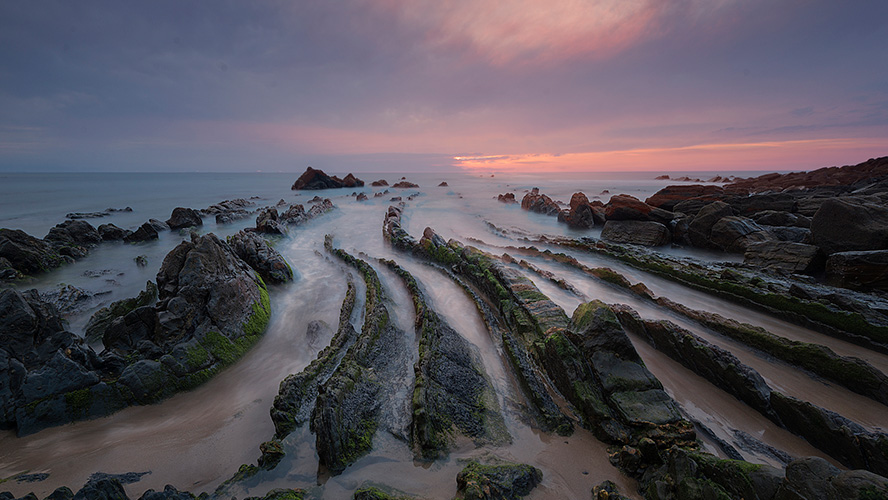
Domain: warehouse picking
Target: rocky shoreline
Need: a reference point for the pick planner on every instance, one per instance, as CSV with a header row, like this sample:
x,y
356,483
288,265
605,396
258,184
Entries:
x,y
812,247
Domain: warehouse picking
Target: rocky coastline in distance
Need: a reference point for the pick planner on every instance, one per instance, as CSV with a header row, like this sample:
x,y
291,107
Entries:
x,y
815,249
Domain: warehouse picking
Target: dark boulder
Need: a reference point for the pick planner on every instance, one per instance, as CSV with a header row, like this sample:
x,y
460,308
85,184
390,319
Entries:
x,y
256,252
734,234
507,198
865,270
379,183
625,207
102,319
361,197
700,227
841,225
26,253
791,234
158,225
184,217
26,321
102,489
669,196
582,214
636,232
783,255
74,233
110,232
145,232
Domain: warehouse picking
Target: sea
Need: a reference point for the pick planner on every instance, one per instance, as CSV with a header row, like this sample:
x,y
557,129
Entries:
x,y
198,439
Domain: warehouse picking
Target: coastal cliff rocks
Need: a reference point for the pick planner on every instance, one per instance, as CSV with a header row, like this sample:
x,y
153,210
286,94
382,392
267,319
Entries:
x,y
842,225
624,207
313,179
184,217
668,197
212,306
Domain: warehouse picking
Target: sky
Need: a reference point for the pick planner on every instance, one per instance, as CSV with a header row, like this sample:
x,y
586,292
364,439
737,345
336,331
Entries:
x,y
426,85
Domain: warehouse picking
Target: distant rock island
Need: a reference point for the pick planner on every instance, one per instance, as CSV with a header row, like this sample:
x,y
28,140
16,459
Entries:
x,y
317,179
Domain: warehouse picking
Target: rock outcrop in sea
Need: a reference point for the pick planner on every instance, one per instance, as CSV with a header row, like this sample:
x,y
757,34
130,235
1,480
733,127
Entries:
x,y
316,179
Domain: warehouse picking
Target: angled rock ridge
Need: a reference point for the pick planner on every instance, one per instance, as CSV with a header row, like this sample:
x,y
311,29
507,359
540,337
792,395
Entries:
x,y
313,179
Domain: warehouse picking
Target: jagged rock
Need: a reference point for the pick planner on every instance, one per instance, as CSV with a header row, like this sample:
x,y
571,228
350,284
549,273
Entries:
x,y
735,234
231,216
73,238
184,217
783,255
317,179
507,198
145,232
443,184
268,222
625,207
102,489
669,196
841,225
582,214
700,227
361,197
110,232
102,319
507,481
827,176
169,493
254,250
235,205
539,203
68,299
636,232
405,184
865,270
27,254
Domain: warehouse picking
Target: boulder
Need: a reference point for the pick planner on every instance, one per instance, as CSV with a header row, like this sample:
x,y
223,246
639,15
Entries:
x,y
361,197
506,481
625,207
184,217
783,255
256,252
443,184
581,214
669,196
102,489
539,203
102,319
110,232
734,234
27,254
26,321
793,234
647,233
700,227
234,205
74,238
145,232
841,225
379,183
864,270
507,198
